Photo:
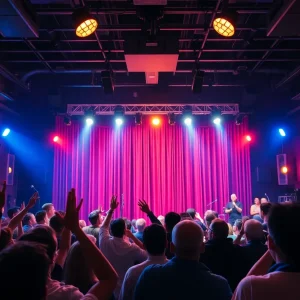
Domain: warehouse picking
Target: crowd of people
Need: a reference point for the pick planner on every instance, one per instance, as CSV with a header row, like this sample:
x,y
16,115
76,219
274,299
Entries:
x,y
54,255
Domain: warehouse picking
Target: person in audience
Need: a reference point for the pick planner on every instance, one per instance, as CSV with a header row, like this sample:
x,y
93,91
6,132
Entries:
x,y
133,227
41,217
264,212
77,271
183,277
13,211
128,224
255,208
209,217
140,226
230,232
28,222
120,253
44,235
82,223
161,220
264,200
221,256
6,238
234,208
94,228
237,227
209,211
50,210
155,241
280,281
192,212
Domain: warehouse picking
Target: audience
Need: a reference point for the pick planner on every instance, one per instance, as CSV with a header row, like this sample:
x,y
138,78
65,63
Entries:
x,y
82,223
41,217
192,212
50,210
183,277
155,241
221,256
140,226
119,252
209,217
264,212
28,222
94,228
279,281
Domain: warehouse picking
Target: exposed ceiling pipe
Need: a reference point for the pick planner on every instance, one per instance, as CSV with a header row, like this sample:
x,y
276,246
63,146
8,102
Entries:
x,y
288,78
7,74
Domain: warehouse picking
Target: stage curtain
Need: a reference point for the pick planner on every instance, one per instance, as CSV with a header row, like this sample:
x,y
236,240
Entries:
x,y
172,167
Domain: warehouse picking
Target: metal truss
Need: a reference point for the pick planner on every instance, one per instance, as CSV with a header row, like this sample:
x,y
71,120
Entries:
x,y
153,109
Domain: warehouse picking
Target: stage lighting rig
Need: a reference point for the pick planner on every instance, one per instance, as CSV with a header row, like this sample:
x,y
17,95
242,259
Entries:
x,y
172,119
119,115
5,132
67,120
138,119
187,115
216,117
89,116
85,24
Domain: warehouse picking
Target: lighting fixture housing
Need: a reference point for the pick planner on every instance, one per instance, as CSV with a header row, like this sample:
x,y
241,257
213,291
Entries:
x,y
225,23
85,24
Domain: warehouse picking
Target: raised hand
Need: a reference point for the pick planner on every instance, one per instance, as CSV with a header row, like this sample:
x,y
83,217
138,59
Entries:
x,y
114,203
33,200
22,206
2,196
197,216
144,206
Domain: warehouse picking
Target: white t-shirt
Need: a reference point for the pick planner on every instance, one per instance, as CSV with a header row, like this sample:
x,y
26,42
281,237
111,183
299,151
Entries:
x,y
120,253
133,274
58,291
275,286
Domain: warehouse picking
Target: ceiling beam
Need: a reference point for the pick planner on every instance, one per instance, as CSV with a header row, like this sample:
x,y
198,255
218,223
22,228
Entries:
x,y
288,78
10,76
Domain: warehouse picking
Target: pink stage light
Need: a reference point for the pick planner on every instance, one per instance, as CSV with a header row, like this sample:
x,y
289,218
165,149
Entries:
x,y
156,121
56,139
248,138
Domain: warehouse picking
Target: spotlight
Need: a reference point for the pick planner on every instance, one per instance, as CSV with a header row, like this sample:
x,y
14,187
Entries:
x,y
248,138
239,119
216,117
119,115
284,169
5,132
67,120
56,139
188,121
84,23
89,116
281,132
89,121
224,24
138,119
172,119
187,115
156,121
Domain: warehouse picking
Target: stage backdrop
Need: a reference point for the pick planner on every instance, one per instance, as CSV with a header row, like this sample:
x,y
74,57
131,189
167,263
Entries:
x,y
172,167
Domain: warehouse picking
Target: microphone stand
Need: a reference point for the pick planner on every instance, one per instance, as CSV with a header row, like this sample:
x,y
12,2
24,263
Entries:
x,y
209,204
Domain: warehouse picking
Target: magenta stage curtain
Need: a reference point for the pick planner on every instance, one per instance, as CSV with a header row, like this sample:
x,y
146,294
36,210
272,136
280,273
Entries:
x,y
172,167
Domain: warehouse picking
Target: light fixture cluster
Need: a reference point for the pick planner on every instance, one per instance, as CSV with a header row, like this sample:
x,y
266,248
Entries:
x,y
85,24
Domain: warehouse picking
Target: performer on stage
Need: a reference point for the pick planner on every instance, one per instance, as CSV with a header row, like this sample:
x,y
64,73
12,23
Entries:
x,y
234,208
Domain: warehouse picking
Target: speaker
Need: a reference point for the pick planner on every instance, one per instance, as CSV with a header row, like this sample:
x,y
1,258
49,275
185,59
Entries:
x,y
197,81
282,162
10,169
107,82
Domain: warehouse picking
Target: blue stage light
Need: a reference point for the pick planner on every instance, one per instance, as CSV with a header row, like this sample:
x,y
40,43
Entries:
x,y
188,121
6,132
119,121
281,132
89,121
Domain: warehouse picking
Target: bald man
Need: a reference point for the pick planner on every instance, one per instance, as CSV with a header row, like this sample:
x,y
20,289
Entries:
x,y
234,208
183,277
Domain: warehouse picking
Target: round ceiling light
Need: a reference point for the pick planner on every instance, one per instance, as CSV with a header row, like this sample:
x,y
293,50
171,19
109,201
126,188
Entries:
x,y
85,24
225,25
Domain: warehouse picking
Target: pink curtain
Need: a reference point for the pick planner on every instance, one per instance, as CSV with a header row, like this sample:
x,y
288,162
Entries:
x,y
172,167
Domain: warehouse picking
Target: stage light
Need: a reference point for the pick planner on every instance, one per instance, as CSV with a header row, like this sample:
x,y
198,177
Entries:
x,y
187,115
172,119
119,121
187,121
217,121
5,132
281,132
56,139
156,121
216,117
89,121
224,24
248,138
138,119
84,23
89,116
284,170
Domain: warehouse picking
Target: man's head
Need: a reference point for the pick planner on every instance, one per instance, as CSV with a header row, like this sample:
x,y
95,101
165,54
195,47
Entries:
x,y
133,223
140,225
56,224
171,219
264,210
263,200
218,230
284,229
49,208
256,201
233,197
209,218
191,212
24,271
41,217
29,219
155,239
187,240
253,230
117,228
95,217
13,211
237,226
161,219
44,235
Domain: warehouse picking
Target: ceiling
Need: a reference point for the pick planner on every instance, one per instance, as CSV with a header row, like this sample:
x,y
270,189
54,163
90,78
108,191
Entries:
x,y
263,55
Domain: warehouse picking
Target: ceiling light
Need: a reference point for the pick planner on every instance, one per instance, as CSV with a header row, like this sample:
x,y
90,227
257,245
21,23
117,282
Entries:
x,y
85,24
89,116
216,117
187,115
225,23
119,115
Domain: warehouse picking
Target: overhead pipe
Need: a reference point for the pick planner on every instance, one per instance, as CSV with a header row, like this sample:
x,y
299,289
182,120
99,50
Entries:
x,y
288,78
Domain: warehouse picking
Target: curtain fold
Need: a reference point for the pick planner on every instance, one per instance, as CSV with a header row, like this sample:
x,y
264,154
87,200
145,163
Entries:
x,y
172,167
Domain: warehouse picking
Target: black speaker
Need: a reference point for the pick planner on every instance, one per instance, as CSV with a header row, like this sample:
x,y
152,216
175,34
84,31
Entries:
x,y
197,81
107,82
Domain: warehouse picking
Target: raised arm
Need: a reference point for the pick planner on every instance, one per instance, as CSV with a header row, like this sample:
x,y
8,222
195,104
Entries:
x,y
113,205
146,209
103,270
134,239
13,224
